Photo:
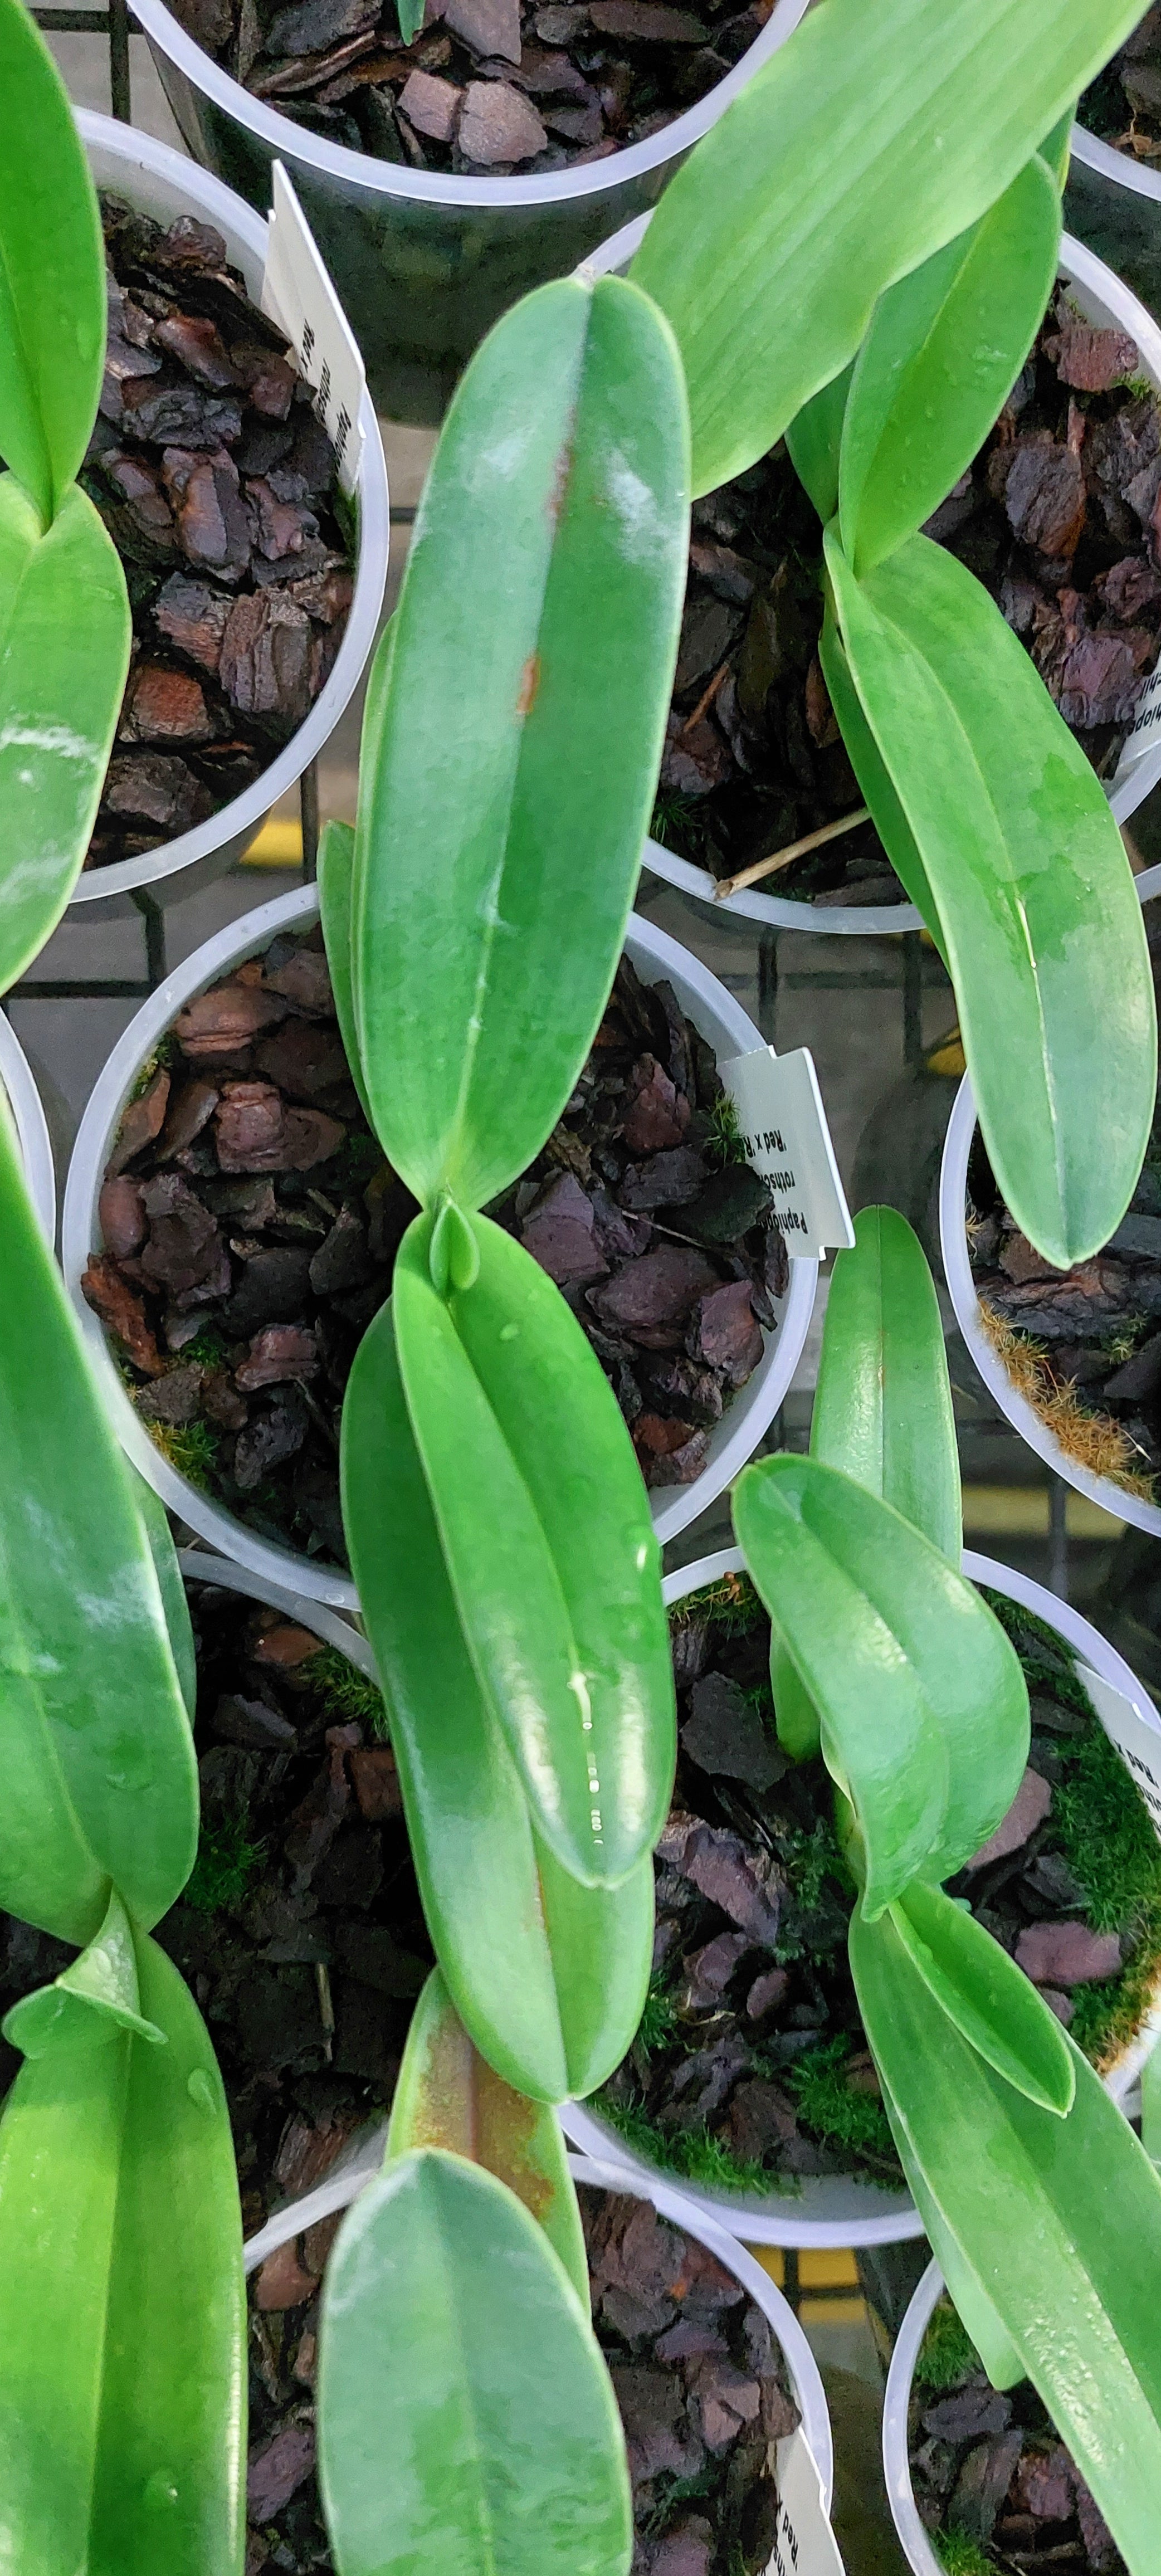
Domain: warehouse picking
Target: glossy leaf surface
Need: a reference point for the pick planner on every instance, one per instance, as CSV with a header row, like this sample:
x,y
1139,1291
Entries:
x,y
993,2004
549,1977
1041,923
91,2001
814,438
448,2096
336,878
944,349
122,2312
159,1537
100,1781
882,1410
479,2436
545,1531
541,603
52,272
874,779
1058,2220
871,138
922,1701
64,653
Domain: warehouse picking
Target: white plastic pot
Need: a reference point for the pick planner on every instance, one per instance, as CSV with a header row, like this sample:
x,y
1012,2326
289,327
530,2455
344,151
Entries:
x,y
1103,298
342,2187
835,2209
717,1015
426,261
31,1126
164,184
1113,202
962,1290
896,2402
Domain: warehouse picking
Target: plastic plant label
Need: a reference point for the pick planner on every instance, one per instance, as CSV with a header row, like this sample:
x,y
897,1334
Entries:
x,y
1138,1743
298,295
1145,729
804,2544
783,1128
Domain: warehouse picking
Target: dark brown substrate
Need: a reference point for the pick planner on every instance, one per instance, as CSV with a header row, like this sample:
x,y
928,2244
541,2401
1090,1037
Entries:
x,y
1098,1325
250,1225
1123,104
990,2473
217,485
1058,518
751,2067
489,86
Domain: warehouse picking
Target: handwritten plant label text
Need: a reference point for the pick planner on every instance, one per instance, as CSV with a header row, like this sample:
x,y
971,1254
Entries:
x,y
804,2544
1144,730
783,1127
298,295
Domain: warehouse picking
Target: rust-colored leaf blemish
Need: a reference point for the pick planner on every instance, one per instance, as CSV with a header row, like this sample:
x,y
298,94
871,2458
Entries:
x,y
529,684
506,2124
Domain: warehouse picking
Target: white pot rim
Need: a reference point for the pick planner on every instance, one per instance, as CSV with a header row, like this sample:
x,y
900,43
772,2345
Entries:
x,y
1111,164
747,1419
359,2168
1077,266
962,1291
367,177
31,1126
868,2213
896,2400
194,190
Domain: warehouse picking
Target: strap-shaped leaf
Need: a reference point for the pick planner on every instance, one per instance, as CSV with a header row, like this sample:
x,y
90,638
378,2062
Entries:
x,y
448,2096
336,877
159,1538
1058,2220
923,1705
873,137
467,2423
64,653
944,349
122,2310
991,2001
52,273
1042,927
994,2345
545,1531
882,1410
548,1977
874,778
92,2000
100,1782
508,786
814,438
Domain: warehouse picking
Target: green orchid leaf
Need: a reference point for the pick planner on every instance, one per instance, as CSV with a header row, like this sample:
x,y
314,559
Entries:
x,y
448,2096
480,2431
883,1410
795,1715
995,2347
1056,148
545,1530
52,273
874,779
100,1782
548,1977
992,2003
922,1701
64,653
869,140
488,848
159,1537
1042,927
1058,2221
410,14
944,349
336,876
814,438
122,2308
91,2001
